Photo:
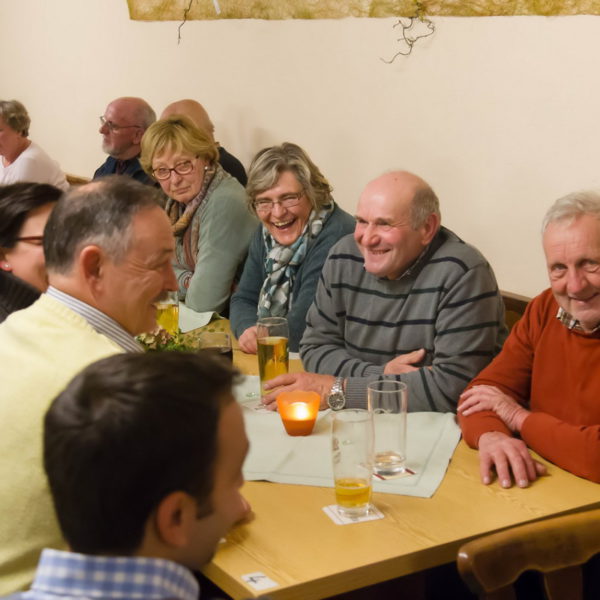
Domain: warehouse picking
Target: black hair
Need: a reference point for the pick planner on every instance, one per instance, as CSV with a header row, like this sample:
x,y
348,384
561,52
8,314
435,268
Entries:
x,y
126,432
17,200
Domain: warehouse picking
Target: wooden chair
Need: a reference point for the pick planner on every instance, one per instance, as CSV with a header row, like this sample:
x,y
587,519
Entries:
x,y
76,179
514,306
555,547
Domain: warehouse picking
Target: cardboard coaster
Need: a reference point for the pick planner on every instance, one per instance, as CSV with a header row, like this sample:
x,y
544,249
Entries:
x,y
259,581
332,512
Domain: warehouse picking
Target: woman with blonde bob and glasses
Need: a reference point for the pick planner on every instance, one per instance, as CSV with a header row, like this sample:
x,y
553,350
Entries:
x,y
300,223
206,207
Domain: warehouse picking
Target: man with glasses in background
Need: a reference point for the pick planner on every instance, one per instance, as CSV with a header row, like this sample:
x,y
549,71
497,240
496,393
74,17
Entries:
x,y
122,126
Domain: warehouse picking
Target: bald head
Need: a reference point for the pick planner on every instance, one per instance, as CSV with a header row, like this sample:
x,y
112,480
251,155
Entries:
x,y
125,120
407,192
396,219
195,111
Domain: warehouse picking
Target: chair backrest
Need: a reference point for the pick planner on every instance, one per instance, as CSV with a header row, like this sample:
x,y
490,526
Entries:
x,y
514,307
555,547
76,179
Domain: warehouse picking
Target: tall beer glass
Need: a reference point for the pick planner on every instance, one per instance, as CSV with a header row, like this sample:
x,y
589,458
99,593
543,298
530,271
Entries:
x,y
388,401
272,341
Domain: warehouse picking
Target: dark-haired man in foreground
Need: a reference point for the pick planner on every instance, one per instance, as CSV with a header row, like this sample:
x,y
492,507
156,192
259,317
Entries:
x,y
144,457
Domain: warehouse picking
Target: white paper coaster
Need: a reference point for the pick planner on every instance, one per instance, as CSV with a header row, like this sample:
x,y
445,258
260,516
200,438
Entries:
x,y
332,512
259,581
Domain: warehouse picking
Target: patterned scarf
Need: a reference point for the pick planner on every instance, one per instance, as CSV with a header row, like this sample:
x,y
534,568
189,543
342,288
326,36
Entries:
x,y
181,215
282,262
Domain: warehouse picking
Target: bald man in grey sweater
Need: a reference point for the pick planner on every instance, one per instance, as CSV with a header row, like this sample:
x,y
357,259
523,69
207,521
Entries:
x,y
403,297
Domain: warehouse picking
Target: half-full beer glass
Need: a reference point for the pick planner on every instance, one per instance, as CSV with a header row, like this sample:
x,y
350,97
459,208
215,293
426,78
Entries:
x,y
352,454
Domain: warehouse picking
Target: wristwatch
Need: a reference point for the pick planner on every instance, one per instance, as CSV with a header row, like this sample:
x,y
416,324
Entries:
x,y
336,398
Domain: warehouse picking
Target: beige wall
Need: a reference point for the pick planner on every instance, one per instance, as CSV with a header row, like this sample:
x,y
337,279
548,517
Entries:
x,y
500,115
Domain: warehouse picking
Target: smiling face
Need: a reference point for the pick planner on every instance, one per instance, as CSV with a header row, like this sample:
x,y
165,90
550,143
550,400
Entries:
x,y
573,261
285,224
384,233
26,258
132,286
181,188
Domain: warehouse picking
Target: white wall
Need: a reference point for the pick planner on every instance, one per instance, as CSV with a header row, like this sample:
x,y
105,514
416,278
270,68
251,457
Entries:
x,y
498,114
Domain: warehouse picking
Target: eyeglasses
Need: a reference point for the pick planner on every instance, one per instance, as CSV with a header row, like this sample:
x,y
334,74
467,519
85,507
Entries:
x,y
181,168
287,201
115,128
35,240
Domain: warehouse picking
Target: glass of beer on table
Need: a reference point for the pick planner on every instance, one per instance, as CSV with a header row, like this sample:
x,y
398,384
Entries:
x,y
167,312
352,454
272,342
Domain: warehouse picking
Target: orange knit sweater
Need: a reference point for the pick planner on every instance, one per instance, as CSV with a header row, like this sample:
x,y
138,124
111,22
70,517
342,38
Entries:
x,y
555,373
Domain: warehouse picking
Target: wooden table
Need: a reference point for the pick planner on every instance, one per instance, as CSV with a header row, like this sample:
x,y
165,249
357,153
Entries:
x,y
294,543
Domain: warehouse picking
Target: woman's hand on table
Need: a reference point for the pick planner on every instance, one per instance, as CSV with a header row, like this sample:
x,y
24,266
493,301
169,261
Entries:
x,y
247,341
307,382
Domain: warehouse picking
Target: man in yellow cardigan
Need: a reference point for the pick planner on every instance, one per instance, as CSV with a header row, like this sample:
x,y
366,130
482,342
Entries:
x,y
108,248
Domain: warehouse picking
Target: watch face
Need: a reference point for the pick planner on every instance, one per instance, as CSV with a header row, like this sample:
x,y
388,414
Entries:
x,y
336,401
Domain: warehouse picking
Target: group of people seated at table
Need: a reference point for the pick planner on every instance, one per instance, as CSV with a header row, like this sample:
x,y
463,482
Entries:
x,y
388,293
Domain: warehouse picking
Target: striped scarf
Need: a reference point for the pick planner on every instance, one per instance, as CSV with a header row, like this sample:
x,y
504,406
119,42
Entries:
x,y
282,262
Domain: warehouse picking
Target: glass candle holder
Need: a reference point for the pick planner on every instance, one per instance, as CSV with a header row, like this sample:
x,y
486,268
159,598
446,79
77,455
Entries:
x,y
298,411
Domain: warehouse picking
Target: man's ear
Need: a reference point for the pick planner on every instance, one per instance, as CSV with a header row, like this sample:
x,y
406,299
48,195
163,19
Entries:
x,y
91,262
137,136
430,228
173,518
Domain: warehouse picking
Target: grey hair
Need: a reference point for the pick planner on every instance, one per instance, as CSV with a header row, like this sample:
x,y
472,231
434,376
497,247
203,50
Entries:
x,y
424,203
16,116
571,206
98,213
268,165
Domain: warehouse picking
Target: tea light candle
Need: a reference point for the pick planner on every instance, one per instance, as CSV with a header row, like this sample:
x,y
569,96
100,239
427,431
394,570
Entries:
x,y
298,411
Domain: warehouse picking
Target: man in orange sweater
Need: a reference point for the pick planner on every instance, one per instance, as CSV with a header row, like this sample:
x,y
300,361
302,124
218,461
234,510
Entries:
x,y
543,390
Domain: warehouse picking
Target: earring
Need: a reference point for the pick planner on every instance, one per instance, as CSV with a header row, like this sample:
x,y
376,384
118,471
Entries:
x,y
6,266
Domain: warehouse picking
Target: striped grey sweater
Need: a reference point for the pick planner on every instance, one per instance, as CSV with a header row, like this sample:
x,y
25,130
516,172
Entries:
x,y
447,302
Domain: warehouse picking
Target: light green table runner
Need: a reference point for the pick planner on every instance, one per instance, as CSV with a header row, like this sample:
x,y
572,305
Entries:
x,y
275,456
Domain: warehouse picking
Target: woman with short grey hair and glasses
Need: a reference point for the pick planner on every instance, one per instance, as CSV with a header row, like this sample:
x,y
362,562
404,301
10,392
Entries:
x,y
20,158
300,223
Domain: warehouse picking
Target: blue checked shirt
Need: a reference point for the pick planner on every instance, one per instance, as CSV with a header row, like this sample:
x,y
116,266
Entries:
x,y
72,576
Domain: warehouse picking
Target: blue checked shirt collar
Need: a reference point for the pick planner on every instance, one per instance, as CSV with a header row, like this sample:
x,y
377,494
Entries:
x,y
80,576
98,320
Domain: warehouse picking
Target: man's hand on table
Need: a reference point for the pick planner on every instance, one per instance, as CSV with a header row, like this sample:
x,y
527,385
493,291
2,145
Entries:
x,y
247,341
489,397
404,363
508,456
308,382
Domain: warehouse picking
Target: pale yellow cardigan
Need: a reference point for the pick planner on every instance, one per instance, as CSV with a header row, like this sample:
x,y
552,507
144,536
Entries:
x,y
41,349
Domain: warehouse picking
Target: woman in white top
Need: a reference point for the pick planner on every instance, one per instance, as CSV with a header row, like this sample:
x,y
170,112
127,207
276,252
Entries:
x,y
22,159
